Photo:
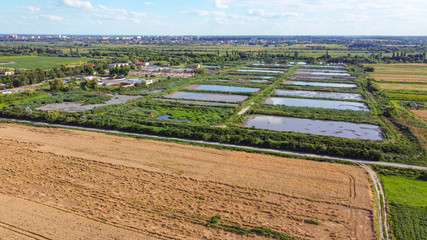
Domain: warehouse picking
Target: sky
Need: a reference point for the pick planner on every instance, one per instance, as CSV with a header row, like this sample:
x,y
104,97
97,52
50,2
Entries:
x,y
214,17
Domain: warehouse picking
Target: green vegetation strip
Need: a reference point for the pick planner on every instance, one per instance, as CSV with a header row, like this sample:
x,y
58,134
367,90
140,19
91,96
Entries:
x,y
219,147
260,231
406,195
6,99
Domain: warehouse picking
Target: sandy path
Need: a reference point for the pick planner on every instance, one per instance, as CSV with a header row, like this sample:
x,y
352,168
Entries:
x,y
171,190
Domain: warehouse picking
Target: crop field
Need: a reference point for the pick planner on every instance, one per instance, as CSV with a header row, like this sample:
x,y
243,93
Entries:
x,y
407,206
402,86
117,187
407,68
34,62
407,76
400,78
420,113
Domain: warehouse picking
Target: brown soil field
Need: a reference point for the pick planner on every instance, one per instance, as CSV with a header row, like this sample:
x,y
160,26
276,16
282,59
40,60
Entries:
x,y
399,78
420,113
397,86
68,184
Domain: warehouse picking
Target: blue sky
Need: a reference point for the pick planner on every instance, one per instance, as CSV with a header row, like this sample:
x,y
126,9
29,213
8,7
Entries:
x,y
214,17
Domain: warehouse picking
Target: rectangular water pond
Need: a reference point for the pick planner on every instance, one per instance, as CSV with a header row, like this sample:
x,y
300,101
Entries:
x,y
305,70
317,94
208,96
330,104
322,66
330,74
246,80
250,76
322,84
318,127
221,88
259,70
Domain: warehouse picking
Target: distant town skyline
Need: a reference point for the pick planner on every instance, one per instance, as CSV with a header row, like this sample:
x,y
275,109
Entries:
x,y
215,17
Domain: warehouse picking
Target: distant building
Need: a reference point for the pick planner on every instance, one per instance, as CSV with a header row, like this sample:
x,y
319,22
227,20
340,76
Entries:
x,y
117,65
142,64
7,73
194,66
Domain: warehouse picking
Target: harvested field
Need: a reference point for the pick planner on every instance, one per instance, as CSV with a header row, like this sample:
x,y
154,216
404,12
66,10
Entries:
x,y
126,188
398,86
410,68
399,78
420,113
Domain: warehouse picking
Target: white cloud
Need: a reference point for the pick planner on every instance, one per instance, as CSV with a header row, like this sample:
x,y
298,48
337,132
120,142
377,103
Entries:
x,y
78,4
112,10
32,9
138,14
148,3
52,17
222,17
268,14
219,17
222,3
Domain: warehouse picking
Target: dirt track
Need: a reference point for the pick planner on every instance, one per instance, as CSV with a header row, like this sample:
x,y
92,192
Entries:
x,y
129,186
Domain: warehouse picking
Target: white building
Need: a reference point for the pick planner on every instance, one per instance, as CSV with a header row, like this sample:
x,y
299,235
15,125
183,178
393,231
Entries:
x,y
117,65
7,73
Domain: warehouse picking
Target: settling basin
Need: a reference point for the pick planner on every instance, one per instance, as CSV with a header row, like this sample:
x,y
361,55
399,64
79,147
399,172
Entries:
x,y
330,104
318,127
322,84
250,76
208,96
221,88
317,94
259,70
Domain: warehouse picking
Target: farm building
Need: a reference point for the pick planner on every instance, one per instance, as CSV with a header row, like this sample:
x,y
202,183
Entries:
x,y
142,64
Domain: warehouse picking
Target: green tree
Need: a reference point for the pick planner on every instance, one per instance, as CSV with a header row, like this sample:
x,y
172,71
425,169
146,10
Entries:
x,y
89,84
56,85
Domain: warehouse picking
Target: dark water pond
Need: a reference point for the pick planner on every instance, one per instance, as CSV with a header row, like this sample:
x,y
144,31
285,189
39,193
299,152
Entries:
x,y
318,127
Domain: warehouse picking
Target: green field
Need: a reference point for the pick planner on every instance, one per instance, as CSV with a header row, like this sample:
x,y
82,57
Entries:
x,y
34,62
407,206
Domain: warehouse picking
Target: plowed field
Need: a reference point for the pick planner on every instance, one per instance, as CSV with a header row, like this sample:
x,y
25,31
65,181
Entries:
x,y
67,184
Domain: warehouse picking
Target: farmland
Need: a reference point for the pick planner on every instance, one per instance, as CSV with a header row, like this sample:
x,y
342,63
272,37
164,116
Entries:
x,y
216,107
293,97
406,195
134,188
34,62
